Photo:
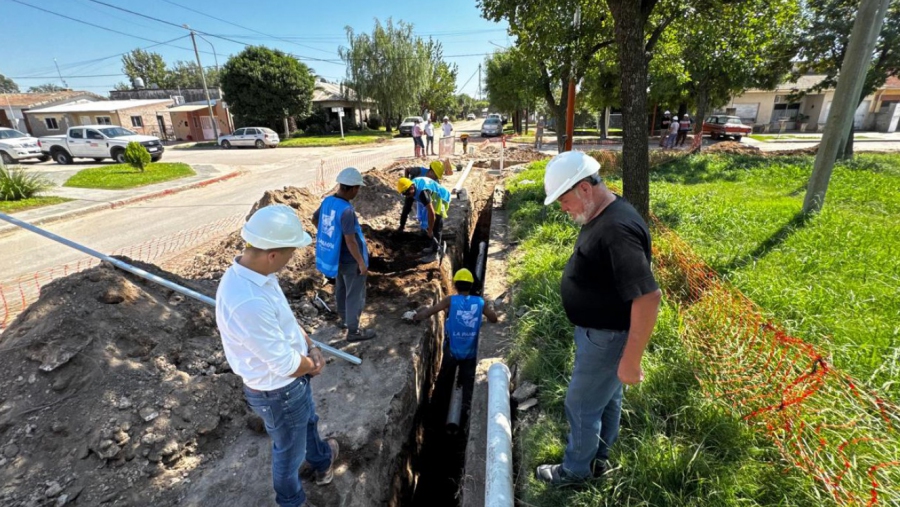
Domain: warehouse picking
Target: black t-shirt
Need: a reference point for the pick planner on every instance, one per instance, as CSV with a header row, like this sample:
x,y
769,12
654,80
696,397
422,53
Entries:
x,y
609,268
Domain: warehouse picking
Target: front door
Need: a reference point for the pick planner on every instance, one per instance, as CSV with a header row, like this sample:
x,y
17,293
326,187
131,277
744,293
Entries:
x,y
859,116
85,120
206,126
162,127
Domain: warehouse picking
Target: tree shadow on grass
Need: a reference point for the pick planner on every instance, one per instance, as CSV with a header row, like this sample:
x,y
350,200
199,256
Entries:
x,y
798,221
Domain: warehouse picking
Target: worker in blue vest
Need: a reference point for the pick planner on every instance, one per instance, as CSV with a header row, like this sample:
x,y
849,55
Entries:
x,y
434,198
341,252
464,316
434,171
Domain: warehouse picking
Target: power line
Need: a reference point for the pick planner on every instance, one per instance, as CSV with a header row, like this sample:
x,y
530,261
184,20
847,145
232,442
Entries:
x,y
247,28
100,26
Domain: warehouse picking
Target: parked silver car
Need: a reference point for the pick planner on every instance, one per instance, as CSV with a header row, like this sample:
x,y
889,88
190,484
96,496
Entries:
x,y
16,145
260,137
406,126
491,127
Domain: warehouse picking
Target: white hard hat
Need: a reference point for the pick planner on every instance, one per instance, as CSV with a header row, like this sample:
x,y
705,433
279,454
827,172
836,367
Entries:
x,y
667,112
565,170
446,118
350,177
674,117
275,226
685,115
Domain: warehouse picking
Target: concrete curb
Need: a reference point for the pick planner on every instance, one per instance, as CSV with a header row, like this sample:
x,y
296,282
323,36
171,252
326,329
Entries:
x,y
8,229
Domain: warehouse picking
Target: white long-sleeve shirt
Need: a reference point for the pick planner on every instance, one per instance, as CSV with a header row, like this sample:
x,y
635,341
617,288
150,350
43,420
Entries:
x,y
262,340
447,127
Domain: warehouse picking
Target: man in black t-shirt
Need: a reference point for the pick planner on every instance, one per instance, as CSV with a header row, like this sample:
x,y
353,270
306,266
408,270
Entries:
x,y
609,293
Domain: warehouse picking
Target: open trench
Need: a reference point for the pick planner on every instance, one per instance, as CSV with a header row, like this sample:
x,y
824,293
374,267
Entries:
x,y
436,451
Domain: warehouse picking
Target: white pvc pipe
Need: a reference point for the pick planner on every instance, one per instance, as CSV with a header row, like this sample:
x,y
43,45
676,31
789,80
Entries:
x,y
481,262
498,487
454,412
462,179
124,266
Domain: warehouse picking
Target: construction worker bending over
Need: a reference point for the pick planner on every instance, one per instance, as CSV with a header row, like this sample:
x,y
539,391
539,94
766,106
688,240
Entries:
x,y
435,171
342,254
464,312
436,201
275,358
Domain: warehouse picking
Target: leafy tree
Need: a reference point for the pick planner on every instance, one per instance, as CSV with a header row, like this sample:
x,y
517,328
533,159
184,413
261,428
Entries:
x,y
390,65
512,83
263,85
7,85
184,74
137,156
439,88
45,88
827,28
148,66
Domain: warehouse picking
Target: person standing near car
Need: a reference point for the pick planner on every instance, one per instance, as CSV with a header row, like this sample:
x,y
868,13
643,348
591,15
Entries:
x,y
429,136
666,123
684,126
342,253
274,357
417,139
609,293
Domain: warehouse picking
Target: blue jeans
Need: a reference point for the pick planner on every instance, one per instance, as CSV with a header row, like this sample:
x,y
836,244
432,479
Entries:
x,y
291,422
594,398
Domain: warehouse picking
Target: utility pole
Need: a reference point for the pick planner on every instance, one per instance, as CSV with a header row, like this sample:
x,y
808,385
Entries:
x,y
212,117
479,83
58,73
866,28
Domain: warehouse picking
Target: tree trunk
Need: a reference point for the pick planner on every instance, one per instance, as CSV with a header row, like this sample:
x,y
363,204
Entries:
x,y
526,122
702,99
560,112
629,32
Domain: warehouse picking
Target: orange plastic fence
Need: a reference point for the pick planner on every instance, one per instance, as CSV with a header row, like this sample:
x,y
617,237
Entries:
x,y
823,421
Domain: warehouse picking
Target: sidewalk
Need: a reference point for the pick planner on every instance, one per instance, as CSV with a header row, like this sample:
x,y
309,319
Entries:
x,y
89,200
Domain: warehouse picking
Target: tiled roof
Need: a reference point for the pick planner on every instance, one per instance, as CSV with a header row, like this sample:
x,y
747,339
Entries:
x,y
37,99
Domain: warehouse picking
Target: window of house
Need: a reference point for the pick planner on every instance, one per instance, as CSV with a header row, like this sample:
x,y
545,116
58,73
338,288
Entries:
x,y
104,120
51,123
137,121
196,122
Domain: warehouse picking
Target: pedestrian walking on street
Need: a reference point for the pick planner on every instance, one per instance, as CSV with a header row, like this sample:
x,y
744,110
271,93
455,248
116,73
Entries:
x,y
610,295
446,127
429,136
342,253
672,134
666,122
274,357
539,134
684,127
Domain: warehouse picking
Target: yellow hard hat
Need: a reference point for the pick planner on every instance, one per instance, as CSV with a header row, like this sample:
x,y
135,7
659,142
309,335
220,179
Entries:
x,y
464,275
438,167
404,184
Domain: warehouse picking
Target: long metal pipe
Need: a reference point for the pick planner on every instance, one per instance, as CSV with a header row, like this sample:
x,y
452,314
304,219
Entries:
x,y
462,179
150,276
454,411
481,262
498,487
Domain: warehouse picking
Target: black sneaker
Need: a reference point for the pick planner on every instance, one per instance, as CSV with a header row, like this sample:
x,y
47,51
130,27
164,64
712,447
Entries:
x,y
360,335
599,467
556,476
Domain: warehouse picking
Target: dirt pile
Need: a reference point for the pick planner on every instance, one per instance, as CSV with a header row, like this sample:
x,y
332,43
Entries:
x,y
113,389
733,148
489,155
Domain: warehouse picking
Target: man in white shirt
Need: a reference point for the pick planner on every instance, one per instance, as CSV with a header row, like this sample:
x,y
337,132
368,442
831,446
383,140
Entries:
x,y
446,127
266,347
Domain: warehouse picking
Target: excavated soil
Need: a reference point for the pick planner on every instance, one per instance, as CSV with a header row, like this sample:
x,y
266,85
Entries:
x,y
735,148
116,391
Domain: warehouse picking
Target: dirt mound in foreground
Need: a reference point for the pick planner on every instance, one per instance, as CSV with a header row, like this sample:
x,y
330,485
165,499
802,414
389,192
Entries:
x,y
113,387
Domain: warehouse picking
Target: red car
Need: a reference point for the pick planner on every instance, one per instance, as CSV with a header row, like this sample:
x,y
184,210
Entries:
x,y
721,127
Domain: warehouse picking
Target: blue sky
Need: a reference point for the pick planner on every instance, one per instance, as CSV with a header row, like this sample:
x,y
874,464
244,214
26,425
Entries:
x,y
31,39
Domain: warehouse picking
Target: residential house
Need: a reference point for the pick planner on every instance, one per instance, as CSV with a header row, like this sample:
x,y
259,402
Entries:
x,y
149,117
190,122
328,96
14,105
767,109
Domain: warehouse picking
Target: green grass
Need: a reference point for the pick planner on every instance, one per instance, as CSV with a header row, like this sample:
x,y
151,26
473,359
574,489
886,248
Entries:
x,y
676,448
30,203
812,136
831,280
119,176
350,138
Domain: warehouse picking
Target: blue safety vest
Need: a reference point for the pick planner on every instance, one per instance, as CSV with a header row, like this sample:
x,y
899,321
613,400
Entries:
x,y
330,236
422,211
463,325
440,196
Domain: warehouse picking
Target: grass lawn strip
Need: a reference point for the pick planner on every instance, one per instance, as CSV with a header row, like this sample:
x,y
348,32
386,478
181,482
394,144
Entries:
x,y
677,447
120,176
831,280
350,138
30,203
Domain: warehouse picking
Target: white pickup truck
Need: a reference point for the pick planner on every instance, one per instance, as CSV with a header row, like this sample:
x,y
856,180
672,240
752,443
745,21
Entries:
x,y
15,146
97,142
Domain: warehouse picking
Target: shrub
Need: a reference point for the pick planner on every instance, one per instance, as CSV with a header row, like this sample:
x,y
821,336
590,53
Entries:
x,y
137,156
297,133
375,122
16,184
